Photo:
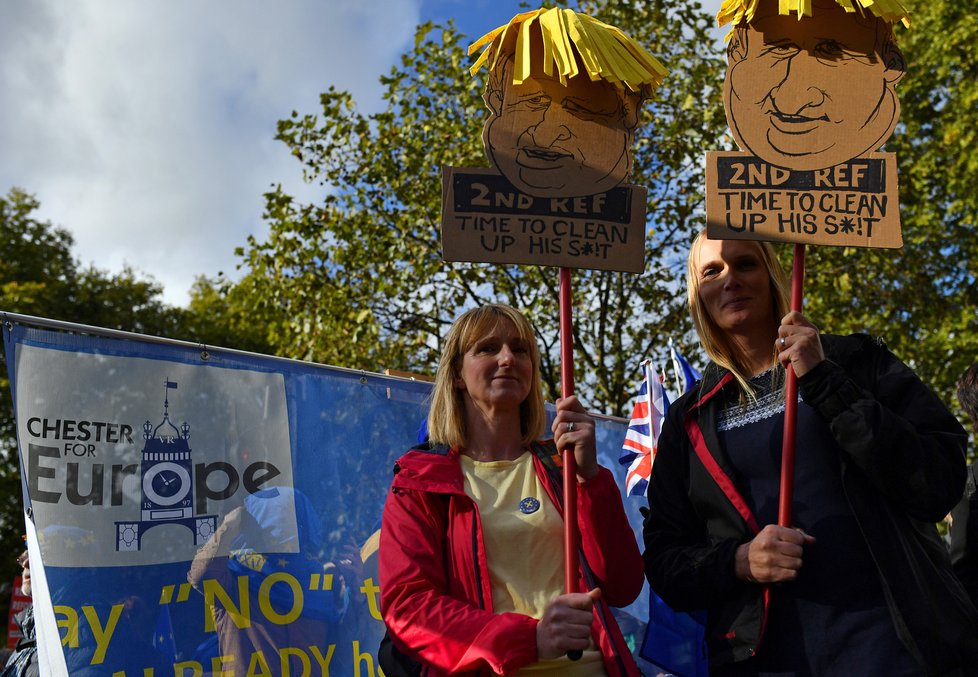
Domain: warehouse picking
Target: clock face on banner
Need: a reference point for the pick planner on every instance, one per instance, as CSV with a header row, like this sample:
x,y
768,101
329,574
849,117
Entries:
x,y
166,484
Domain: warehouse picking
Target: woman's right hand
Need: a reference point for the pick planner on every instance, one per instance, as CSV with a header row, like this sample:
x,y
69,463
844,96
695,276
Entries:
x,y
566,624
570,411
773,556
798,343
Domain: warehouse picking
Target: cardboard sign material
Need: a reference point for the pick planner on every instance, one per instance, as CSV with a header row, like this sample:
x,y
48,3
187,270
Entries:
x,y
563,92
559,140
809,99
853,204
815,92
486,219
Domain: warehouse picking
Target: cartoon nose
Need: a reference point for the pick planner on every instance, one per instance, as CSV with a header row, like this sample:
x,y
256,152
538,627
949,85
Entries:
x,y
550,129
796,92
795,100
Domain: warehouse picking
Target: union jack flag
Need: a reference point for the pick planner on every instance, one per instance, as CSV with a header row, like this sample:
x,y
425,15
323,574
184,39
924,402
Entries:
x,y
641,440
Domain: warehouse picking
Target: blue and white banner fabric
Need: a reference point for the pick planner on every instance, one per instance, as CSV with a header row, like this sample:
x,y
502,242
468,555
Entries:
x,y
195,512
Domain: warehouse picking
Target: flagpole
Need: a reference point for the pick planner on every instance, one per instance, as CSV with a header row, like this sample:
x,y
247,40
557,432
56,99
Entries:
x,y
571,535
791,401
675,367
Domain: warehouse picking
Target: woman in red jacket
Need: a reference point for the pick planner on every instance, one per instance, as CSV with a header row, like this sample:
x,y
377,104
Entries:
x,y
471,558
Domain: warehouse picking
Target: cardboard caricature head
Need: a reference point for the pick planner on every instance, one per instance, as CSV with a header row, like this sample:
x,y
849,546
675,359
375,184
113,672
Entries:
x,y
811,93
561,125
555,140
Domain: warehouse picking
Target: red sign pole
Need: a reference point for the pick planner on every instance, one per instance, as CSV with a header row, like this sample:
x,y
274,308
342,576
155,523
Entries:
x,y
571,535
791,401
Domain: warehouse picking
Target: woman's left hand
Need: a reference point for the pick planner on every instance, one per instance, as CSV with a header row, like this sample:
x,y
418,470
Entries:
x,y
798,343
574,428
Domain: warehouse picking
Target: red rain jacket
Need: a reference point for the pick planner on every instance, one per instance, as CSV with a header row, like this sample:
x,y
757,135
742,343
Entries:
x,y
435,593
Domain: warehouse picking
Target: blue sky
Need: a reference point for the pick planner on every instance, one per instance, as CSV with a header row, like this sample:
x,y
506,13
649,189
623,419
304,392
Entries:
x,y
146,128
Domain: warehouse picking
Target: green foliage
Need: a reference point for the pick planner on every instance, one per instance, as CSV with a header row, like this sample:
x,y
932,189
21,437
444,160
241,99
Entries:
x,y
358,277
35,255
922,299
221,313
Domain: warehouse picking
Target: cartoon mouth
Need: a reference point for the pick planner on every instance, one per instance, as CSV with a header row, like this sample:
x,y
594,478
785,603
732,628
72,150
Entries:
x,y
796,124
538,158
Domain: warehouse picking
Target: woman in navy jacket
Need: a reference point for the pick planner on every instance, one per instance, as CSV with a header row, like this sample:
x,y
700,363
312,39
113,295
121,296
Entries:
x,y
861,583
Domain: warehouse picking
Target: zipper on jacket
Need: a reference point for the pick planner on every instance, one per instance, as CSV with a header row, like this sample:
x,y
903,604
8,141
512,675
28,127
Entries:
x,y
475,560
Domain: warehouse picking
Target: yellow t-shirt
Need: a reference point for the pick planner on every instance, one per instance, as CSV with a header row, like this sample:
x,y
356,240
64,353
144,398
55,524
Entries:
x,y
524,539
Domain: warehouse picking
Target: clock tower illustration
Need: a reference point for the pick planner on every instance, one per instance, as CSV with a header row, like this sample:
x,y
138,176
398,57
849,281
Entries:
x,y
166,482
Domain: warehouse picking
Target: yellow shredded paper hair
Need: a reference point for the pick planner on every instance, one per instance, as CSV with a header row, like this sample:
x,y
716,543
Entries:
x,y
735,11
605,52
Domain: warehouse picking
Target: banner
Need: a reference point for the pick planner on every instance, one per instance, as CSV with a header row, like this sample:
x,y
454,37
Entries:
x,y
195,512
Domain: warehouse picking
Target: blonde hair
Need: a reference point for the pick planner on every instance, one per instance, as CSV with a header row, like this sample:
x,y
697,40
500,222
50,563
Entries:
x,y
446,418
718,346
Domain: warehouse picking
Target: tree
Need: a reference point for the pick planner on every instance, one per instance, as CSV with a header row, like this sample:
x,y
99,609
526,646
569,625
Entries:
x,y
37,262
922,299
359,277
221,313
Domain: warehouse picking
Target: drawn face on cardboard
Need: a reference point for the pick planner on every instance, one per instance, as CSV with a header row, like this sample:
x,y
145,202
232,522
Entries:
x,y
552,140
812,93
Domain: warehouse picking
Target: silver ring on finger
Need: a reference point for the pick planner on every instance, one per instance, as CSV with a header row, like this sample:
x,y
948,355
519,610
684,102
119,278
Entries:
x,y
782,341
570,427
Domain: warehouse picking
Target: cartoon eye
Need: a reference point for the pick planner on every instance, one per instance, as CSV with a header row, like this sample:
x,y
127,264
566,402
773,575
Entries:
x,y
575,107
537,102
583,110
831,49
782,50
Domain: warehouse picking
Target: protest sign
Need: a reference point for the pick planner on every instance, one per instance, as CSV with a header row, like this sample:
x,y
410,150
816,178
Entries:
x,y
564,93
809,100
853,204
488,220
